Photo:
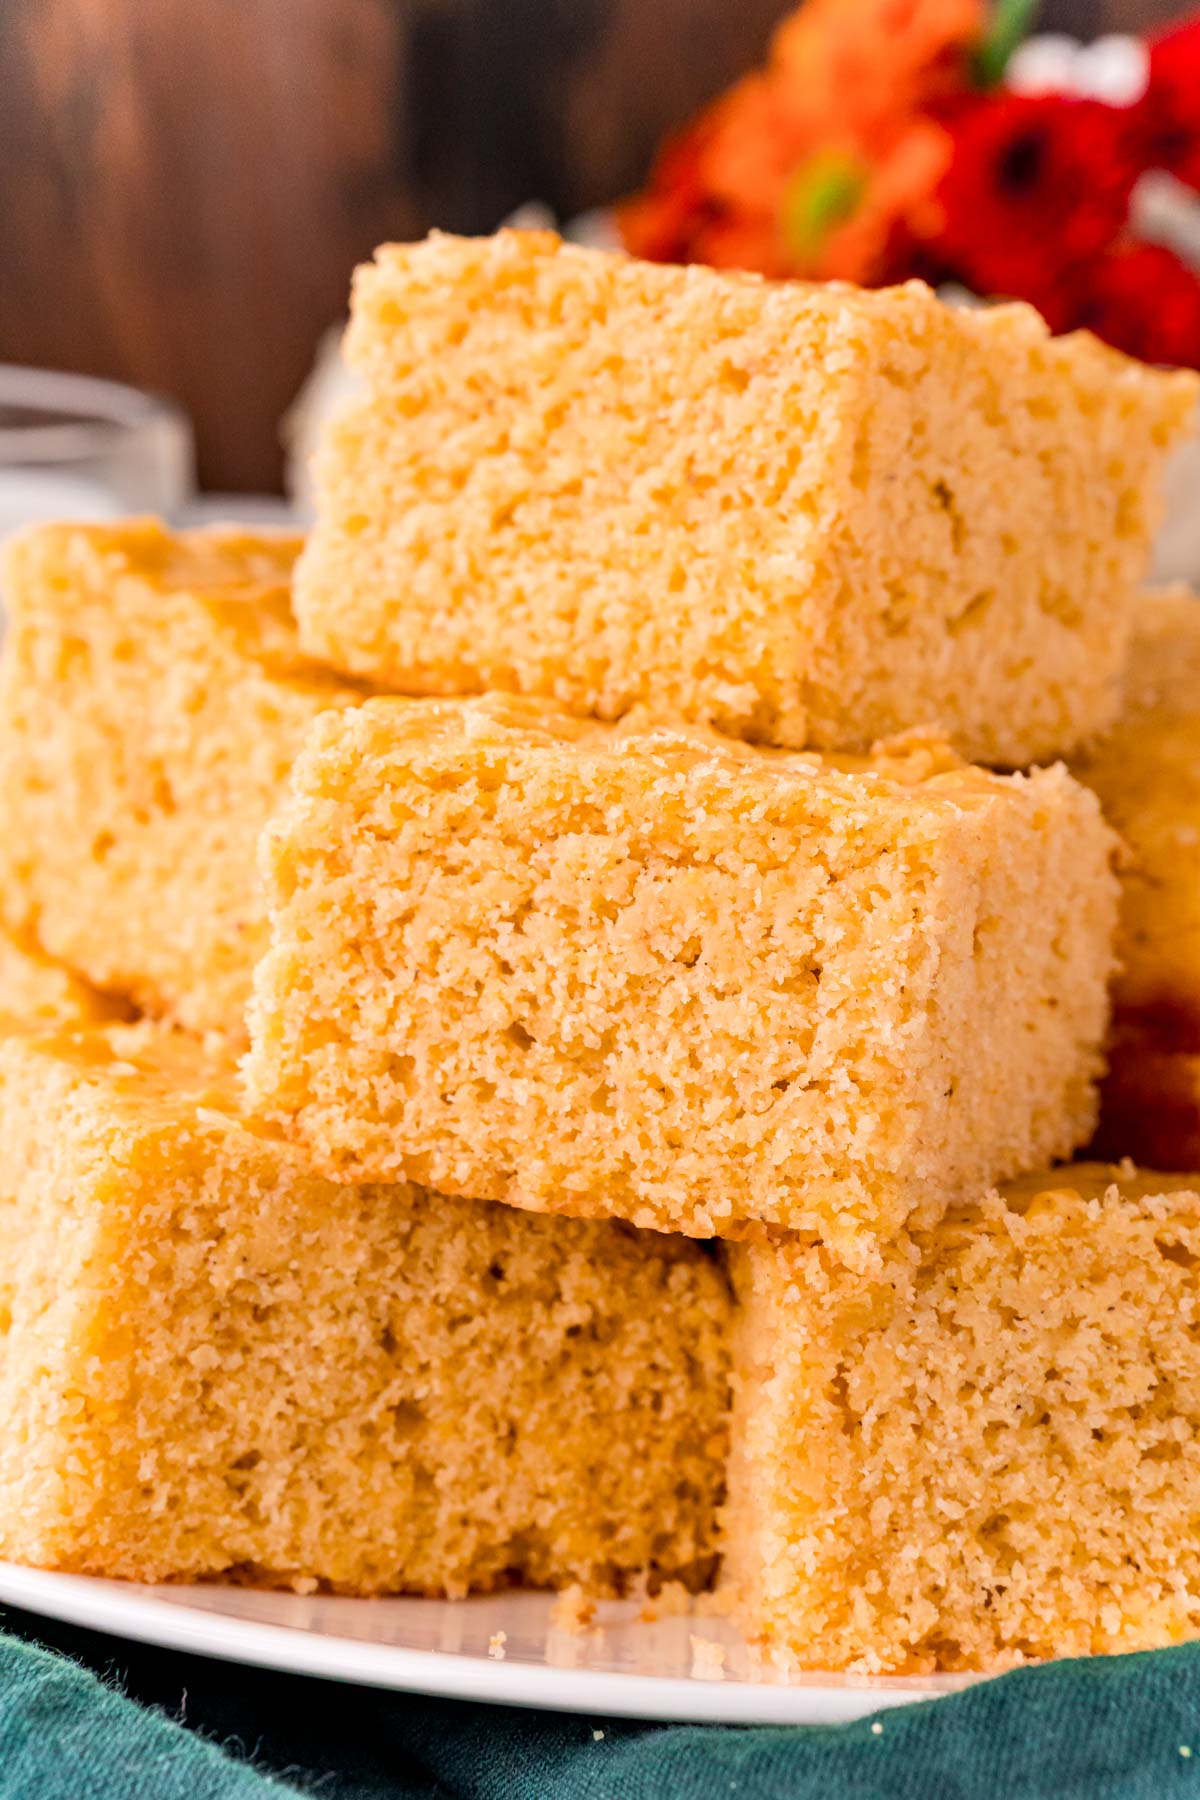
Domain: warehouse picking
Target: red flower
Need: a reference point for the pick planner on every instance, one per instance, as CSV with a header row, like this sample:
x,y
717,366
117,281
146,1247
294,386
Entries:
x,y
713,192
1037,186
1145,301
1166,122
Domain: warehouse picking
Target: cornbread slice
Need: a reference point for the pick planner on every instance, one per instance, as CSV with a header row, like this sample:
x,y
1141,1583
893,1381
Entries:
x,y
1147,776
37,994
215,1363
807,514
682,981
986,1451
152,697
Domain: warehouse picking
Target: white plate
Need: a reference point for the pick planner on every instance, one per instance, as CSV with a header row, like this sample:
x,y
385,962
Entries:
x,y
503,1648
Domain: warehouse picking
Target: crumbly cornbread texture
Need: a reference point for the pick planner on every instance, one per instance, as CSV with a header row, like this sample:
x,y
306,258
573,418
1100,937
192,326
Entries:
x,y
986,1451
807,514
1147,775
684,981
214,1363
152,697
37,994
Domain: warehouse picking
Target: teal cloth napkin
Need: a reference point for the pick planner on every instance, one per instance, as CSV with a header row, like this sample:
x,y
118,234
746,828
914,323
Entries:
x,y
1123,1728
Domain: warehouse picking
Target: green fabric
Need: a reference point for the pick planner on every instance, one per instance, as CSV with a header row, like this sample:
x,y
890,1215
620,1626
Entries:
x,y
63,1733
1112,1729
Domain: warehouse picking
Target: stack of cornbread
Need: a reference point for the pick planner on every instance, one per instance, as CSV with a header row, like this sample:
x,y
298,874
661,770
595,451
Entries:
x,y
543,1040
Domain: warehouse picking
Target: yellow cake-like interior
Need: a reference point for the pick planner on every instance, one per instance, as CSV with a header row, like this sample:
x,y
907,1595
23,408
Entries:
x,y
682,981
986,1452
215,1363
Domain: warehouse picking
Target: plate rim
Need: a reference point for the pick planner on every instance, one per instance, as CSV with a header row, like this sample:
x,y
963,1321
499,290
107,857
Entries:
x,y
141,1614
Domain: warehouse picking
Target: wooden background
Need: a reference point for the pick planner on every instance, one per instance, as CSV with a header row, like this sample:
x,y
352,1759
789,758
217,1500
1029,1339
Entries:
x,y
186,184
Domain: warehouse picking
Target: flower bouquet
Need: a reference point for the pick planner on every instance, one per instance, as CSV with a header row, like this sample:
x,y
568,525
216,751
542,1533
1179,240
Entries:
x,y
894,138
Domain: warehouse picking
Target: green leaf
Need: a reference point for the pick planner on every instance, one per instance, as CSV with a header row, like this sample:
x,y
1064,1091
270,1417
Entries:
x,y
1007,29
822,194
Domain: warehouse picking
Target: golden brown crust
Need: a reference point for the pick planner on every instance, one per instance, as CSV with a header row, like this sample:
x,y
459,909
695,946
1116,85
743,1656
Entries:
x,y
37,994
152,696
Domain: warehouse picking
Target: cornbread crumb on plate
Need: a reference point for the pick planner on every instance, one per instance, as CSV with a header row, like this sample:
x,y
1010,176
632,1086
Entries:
x,y
806,514
37,993
674,979
1147,775
986,1452
672,1601
218,1365
152,696
708,1659
574,1608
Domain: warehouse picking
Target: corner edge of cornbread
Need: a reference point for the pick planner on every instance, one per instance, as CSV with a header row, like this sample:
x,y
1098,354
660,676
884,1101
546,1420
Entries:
x,y
806,514
660,975
983,1453
152,694
215,1363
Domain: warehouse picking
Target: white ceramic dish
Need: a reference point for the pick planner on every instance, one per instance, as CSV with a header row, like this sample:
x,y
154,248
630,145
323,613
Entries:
x,y
506,1649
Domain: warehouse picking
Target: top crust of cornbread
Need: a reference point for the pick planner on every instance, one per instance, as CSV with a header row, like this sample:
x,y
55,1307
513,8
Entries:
x,y
987,1450
697,985
807,514
1147,775
36,993
152,696
241,578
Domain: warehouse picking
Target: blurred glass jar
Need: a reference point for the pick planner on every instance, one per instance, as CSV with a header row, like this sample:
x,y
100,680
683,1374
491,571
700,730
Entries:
x,y
75,447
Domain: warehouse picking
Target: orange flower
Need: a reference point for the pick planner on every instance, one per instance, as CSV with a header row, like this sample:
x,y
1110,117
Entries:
x,y
814,166
869,244
858,65
714,196
753,141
